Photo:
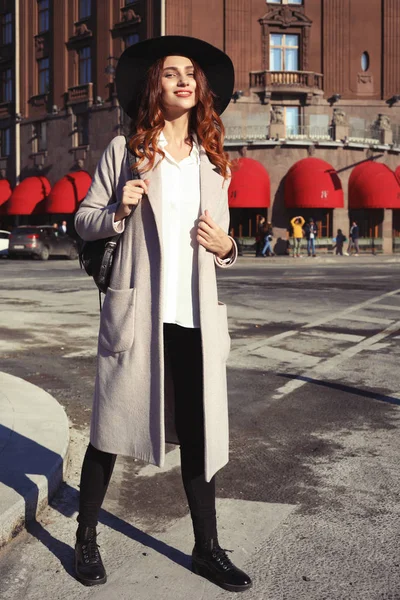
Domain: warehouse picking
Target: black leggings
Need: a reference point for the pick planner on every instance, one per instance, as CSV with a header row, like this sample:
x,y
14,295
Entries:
x,y
182,347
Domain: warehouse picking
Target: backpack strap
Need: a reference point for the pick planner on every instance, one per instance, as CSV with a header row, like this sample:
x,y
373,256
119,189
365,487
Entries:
x,y
132,158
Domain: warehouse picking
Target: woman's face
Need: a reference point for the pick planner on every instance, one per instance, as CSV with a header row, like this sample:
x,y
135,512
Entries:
x,y
178,84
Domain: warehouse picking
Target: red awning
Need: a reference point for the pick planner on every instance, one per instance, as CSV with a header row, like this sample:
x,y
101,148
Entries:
x,y
313,183
68,192
373,185
27,197
250,185
5,194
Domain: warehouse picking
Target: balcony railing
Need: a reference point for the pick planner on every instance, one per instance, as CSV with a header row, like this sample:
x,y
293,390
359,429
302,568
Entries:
x,y
303,81
364,135
309,132
80,93
5,110
249,132
396,136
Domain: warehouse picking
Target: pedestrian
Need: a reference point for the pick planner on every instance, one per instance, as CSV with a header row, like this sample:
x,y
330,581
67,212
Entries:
x,y
163,341
63,227
267,241
297,226
353,239
311,234
56,230
339,242
260,234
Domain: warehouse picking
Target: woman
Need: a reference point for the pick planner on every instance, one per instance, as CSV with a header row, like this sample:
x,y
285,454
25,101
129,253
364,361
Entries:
x,y
297,226
163,341
268,241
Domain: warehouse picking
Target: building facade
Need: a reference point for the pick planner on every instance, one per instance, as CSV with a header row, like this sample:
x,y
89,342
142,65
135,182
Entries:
x,y
315,79
61,111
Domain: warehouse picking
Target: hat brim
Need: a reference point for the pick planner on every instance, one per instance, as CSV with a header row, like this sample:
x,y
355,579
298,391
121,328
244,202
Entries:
x,y
135,61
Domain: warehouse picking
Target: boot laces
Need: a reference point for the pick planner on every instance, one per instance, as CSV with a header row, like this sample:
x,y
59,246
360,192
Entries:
x,y
90,551
219,554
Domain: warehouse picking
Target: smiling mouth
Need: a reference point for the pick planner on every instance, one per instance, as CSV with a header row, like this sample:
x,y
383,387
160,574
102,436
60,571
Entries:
x,y
183,94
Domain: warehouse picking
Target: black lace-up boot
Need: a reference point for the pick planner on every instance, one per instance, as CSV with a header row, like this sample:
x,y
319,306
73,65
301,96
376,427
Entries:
x,y
210,561
89,567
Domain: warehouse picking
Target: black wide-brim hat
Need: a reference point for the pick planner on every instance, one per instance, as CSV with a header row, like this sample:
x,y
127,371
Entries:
x,y
135,61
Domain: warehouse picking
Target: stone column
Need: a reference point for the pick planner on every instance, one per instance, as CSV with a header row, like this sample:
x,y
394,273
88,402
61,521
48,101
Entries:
x,y
277,131
341,221
387,231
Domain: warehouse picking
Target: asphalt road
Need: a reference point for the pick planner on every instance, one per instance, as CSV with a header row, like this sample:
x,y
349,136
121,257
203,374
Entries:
x,y
314,402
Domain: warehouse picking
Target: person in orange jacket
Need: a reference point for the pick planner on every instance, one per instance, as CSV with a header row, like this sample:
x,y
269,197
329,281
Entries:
x,y
297,225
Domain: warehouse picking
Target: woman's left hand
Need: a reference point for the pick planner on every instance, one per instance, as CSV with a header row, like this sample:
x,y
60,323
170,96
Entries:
x,y
212,237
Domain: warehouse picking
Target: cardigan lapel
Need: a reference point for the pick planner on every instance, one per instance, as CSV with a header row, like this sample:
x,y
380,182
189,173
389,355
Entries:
x,y
210,184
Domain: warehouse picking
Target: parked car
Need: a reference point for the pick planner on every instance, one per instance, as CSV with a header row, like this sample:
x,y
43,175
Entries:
x,y
4,242
41,241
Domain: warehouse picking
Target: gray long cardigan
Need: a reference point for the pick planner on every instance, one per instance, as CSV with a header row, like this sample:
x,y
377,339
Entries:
x,y
133,408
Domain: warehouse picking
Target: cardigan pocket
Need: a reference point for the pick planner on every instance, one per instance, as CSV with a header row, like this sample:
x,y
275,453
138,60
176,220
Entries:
x,y
117,320
224,337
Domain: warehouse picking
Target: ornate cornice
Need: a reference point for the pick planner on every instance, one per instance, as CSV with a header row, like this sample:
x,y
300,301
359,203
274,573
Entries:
x,y
284,16
129,23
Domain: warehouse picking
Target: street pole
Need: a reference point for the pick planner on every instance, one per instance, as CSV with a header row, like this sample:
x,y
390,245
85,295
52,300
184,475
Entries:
x,y
17,98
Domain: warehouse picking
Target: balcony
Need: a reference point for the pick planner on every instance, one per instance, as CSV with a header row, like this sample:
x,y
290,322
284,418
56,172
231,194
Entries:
x,y
80,93
5,110
265,83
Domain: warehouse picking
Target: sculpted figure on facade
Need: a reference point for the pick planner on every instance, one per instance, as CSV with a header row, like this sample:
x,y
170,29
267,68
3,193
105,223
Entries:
x,y
339,117
277,117
383,122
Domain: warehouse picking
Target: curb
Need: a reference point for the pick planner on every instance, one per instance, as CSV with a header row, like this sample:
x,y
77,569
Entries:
x,y
34,441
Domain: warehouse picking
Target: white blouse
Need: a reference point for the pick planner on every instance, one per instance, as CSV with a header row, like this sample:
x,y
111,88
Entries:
x,y
180,185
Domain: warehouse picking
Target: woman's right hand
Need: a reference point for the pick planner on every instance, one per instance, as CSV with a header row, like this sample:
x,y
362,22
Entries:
x,y
132,193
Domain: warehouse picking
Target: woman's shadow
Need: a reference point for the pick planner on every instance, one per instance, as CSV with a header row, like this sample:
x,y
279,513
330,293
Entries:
x,y
21,457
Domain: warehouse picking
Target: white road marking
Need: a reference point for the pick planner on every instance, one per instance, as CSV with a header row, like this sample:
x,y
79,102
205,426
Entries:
x,y
365,319
324,367
388,306
260,343
376,347
340,337
349,310
294,358
347,314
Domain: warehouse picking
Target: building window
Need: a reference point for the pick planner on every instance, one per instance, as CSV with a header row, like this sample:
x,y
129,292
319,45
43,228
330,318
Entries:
x,y
85,65
292,120
284,52
39,136
43,16
131,39
43,75
5,142
6,89
81,130
6,29
85,8
365,61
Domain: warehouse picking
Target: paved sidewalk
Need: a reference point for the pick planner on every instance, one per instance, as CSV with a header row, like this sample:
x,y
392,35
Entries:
x,y
325,258
34,439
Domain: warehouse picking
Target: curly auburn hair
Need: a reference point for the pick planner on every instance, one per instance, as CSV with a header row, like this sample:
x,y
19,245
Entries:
x,y
204,121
